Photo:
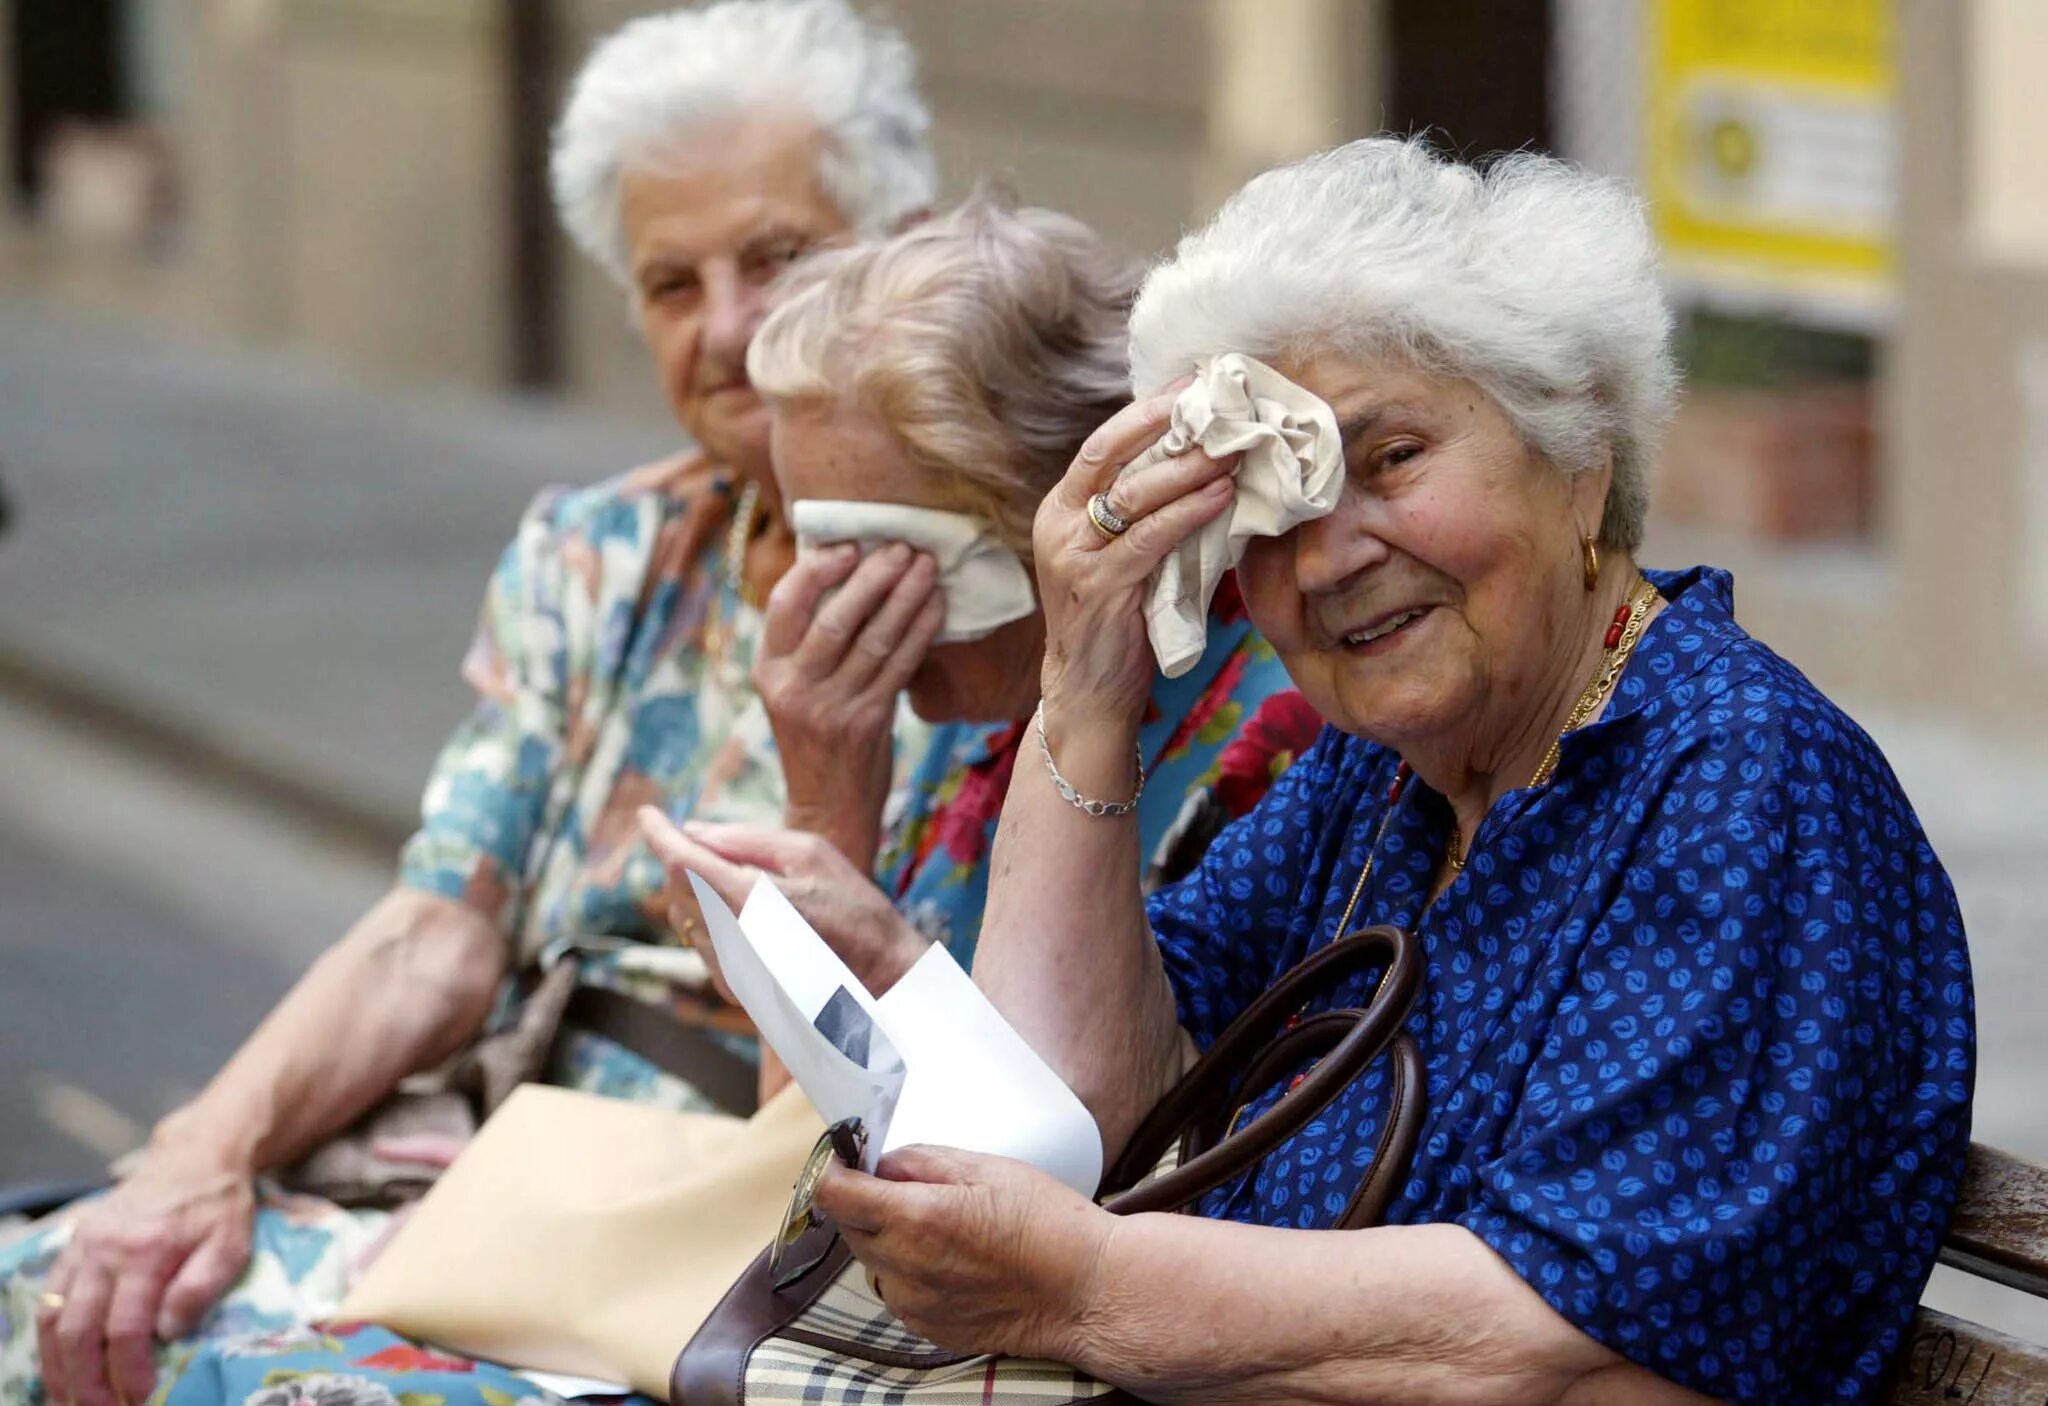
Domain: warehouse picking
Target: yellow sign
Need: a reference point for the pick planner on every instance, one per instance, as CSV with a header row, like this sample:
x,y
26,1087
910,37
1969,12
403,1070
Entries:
x,y
1773,152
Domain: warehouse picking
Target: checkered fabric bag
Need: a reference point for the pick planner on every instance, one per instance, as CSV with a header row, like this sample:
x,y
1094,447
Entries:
x,y
826,1339
894,1366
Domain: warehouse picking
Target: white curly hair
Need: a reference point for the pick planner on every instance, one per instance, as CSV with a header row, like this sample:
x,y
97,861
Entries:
x,y
657,77
1533,279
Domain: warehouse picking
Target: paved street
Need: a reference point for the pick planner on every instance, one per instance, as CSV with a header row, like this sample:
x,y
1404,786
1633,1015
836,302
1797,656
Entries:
x,y
146,924
285,567
284,563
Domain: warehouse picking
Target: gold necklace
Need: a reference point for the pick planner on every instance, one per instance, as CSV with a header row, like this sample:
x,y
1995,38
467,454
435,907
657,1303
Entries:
x,y
1624,633
738,537
1401,775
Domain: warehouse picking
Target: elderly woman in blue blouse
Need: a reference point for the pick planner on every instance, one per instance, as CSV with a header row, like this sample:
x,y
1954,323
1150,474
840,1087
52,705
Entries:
x,y
1696,1013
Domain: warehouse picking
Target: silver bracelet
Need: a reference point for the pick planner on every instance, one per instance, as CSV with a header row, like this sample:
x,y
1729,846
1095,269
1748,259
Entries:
x,y
1066,788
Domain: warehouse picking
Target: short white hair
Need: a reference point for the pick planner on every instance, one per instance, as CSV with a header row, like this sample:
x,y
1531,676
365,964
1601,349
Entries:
x,y
1535,280
655,79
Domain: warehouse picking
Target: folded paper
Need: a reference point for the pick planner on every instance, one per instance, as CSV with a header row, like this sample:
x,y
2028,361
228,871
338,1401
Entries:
x,y
938,1063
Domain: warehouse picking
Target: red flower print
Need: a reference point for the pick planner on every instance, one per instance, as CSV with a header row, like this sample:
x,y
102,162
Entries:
x,y
1279,731
962,826
401,1357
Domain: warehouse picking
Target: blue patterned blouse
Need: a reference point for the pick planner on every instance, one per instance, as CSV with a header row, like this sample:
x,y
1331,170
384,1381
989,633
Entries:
x,y
1697,1015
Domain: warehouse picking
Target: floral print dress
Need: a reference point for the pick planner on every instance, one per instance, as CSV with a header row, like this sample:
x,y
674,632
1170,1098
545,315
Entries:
x,y
611,667
1213,741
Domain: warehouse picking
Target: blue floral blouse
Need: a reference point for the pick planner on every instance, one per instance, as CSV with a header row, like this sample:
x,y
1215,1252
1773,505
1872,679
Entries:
x,y
1212,741
1697,1015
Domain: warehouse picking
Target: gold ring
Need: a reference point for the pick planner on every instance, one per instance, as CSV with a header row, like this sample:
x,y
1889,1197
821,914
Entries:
x,y
51,1300
1105,519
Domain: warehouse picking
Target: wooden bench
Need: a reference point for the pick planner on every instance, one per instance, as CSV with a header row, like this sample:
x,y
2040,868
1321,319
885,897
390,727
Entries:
x,y
2000,1233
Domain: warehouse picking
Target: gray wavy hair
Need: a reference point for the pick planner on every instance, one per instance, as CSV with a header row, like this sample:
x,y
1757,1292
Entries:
x,y
989,341
1533,279
662,75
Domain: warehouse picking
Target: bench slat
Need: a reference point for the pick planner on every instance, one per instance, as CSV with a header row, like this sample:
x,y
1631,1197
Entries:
x,y
2000,1226
1948,1361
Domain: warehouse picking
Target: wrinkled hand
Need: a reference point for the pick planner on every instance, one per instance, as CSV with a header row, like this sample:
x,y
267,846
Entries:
x,y
145,1262
854,916
830,674
1098,663
976,1253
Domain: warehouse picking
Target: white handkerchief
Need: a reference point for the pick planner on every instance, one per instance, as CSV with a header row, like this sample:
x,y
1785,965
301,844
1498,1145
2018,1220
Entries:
x,y
1292,472
985,583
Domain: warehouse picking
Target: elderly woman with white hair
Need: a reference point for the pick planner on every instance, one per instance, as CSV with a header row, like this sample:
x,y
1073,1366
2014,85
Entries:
x,y
700,153
927,392
1694,1001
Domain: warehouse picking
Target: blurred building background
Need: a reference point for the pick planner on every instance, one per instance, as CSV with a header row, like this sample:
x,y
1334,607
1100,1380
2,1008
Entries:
x,y
288,334
1849,192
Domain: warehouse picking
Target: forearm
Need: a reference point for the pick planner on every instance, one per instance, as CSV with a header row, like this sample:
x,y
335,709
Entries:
x,y
1217,1312
854,830
1065,952
404,988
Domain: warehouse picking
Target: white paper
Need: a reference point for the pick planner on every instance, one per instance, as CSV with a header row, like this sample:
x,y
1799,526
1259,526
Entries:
x,y
570,1388
783,974
974,1081
941,1065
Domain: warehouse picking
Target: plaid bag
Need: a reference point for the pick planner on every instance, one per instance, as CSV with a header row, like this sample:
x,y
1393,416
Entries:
x,y
826,1339
893,1364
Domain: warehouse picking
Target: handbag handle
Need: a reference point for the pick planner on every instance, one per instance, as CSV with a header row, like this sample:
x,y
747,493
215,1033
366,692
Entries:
x,y
1255,1048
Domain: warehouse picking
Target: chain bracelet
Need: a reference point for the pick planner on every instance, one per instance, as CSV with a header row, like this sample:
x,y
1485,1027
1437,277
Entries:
x,y
1066,788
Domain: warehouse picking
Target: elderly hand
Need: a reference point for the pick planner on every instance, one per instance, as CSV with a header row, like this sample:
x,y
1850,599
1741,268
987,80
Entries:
x,y
854,916
1098,663
144,1262
976,1253
830,674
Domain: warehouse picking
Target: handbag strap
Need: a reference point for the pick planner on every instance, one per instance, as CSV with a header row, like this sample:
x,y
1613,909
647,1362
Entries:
x,y
1259,1042
681,1051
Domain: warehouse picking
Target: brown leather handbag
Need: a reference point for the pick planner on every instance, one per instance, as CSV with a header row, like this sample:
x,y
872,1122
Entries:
x,y
826,1338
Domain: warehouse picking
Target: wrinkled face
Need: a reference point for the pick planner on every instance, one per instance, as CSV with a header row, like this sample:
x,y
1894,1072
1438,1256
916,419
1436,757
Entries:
x,y
1443,599
708,227
843,453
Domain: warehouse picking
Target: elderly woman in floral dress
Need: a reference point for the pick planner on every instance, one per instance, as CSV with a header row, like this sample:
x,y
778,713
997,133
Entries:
x,y
951,370
701,152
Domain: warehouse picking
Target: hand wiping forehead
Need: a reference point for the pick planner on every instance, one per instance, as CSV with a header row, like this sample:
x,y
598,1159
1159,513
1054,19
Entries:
x,y
1292,471
985,583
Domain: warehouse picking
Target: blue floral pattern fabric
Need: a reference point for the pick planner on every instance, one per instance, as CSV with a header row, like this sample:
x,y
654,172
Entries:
x,y
1212,740
1697,1015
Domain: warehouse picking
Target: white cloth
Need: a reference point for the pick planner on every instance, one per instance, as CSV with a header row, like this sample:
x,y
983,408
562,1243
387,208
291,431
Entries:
x,y
985,583
1292,471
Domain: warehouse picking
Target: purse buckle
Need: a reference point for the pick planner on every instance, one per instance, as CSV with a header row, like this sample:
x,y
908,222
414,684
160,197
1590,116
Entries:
x,y
845,1141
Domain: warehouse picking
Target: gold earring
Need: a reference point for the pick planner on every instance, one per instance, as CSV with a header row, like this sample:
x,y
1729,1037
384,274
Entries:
x,y
1592,554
